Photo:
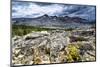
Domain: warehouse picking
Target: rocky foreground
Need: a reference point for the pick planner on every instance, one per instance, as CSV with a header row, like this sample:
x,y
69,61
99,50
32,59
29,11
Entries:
x,y
56,46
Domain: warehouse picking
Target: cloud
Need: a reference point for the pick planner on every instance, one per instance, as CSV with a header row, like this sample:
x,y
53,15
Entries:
x,y
33,9
86,13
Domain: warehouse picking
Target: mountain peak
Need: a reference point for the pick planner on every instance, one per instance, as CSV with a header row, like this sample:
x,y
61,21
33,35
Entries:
x,y
45,15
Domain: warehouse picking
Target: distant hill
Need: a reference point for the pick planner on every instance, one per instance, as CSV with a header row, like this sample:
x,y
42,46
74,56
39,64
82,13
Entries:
x,y
52,21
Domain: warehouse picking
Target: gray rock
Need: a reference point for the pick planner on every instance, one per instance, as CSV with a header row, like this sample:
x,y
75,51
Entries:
x,y
38,44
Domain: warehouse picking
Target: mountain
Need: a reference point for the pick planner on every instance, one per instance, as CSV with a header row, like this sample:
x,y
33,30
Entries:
x,y
51,21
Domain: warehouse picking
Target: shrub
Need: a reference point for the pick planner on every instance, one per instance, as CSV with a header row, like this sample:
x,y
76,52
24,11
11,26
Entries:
x,y
69,29
73,55
21,30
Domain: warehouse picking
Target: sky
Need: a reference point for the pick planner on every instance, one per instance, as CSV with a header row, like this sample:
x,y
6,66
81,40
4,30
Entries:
x,y
22,9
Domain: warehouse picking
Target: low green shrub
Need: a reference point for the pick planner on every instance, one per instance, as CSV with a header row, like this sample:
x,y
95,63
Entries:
x,y
21,30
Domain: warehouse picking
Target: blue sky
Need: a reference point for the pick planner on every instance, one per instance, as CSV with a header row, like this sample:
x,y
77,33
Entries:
x,y
36,9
